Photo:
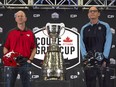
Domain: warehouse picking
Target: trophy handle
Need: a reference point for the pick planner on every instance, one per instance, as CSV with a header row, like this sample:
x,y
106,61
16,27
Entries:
x,y
62,27
63,31
44,32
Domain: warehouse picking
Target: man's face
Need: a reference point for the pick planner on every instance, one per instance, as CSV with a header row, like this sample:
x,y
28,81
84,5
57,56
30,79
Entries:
x,y
93,13
20,18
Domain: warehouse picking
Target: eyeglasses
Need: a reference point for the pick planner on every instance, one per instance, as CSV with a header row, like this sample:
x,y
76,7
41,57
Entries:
x,y
90,11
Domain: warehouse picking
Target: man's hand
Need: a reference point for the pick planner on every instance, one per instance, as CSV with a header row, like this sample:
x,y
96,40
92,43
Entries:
x,y
29,61
104,64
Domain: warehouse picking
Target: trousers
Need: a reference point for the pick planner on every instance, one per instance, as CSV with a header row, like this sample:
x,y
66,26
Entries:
x,y
95,77
11,74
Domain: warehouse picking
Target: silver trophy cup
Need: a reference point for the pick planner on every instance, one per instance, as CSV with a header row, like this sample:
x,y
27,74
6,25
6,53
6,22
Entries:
x,y
53,63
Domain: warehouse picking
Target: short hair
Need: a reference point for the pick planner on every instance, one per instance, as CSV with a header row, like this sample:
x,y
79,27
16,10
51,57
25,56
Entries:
x,y
95,7
18,12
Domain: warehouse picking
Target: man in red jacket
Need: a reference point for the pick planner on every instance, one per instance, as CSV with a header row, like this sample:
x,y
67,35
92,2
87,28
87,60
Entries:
x,y
20,40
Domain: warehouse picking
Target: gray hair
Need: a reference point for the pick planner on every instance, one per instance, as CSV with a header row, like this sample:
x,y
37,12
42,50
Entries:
x,y
19,12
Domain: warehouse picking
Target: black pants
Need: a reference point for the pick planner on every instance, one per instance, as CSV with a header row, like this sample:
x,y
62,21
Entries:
x,y
94,75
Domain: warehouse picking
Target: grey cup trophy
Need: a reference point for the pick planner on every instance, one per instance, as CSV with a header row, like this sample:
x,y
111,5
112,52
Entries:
x,y
53,63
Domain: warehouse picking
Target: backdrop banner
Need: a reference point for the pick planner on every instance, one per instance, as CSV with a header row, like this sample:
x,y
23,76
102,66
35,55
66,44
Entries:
x,y
69,41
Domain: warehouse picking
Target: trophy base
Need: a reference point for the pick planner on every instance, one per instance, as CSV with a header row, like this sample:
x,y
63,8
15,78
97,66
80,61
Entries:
x,y
52,83
53,66
53,78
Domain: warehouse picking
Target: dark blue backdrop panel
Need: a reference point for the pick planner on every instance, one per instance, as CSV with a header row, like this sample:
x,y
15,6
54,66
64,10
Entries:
x,y
71,18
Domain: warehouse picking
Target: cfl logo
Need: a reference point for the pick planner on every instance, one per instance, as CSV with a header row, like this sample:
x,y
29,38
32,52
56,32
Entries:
x,y
110,16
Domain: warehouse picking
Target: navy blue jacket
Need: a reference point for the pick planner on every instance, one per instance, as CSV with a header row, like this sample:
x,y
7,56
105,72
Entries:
x,y
96,38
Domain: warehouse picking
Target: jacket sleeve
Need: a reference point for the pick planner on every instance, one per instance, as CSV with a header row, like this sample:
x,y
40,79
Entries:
x,y
108,42
82,45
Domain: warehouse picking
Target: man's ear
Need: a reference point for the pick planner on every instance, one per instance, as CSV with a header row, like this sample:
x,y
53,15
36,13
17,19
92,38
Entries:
x,y
99,14
25,19
88,16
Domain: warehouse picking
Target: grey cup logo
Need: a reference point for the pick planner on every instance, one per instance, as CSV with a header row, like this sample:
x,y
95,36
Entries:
x,y
70,47
55,15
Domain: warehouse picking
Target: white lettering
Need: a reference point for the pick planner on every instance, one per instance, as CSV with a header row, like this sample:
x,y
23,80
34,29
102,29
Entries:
x,y
73,76
110,16
36,15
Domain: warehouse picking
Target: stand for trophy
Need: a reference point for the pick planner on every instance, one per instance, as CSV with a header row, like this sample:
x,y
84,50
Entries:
x,y
53,63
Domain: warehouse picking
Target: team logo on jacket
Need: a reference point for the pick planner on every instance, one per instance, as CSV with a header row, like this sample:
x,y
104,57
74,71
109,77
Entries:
x,y
69,44
99,28
28,35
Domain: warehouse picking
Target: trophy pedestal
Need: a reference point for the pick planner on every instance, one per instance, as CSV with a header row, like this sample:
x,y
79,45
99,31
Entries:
x,y
52,83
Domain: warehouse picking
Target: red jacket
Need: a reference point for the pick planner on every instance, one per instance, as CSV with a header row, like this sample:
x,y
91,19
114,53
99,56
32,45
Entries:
x,y
20,41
